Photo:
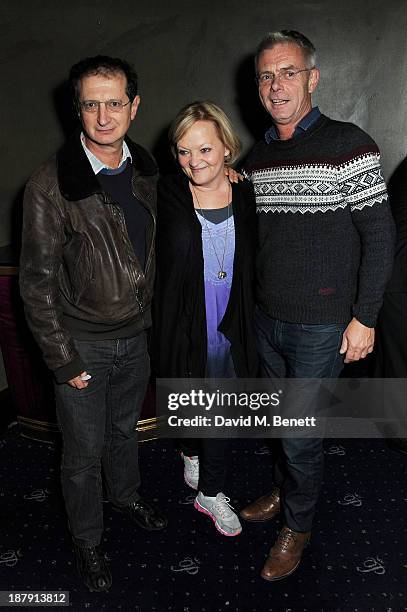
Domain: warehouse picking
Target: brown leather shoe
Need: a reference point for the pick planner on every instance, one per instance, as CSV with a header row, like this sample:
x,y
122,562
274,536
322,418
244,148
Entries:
x,y
263,509
285,556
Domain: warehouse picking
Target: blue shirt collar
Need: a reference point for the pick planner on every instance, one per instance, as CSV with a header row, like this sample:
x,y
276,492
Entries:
x,y
97,165
305,123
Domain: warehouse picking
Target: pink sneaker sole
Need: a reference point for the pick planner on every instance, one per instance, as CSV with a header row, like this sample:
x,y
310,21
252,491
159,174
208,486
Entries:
x,y
200,508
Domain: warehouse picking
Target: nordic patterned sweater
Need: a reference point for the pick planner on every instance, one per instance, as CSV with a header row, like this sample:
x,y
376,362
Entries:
x,y
325,229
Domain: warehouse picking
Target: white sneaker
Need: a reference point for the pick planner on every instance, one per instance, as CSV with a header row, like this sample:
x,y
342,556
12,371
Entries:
x,y
191,470
220,511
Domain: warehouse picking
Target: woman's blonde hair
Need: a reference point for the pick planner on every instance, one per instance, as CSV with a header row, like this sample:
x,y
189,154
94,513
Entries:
x,y
205,111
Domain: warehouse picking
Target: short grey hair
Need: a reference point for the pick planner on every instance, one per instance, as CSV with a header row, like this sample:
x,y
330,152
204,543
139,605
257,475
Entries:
x,y
288,36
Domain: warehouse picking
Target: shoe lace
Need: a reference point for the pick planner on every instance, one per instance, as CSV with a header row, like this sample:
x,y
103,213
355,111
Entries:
x,y
94,559
223,506
286,536
275,496
192,464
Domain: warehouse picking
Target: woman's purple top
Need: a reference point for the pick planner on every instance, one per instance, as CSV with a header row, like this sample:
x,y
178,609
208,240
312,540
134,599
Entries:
x,y
217,291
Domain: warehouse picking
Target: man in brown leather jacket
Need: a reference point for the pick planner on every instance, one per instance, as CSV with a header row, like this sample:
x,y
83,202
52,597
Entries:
x,y
87,270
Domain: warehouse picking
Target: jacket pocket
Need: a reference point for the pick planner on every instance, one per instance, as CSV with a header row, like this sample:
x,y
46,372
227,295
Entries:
x,y
77,266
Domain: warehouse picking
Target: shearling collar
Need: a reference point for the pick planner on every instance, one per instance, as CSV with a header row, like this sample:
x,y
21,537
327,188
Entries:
x,y
75,175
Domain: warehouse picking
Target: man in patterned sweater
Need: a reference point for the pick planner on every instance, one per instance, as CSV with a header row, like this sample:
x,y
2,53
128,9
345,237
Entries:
x,y
325,254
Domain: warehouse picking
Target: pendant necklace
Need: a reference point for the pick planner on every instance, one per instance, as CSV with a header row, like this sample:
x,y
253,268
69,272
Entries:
x,y
222,274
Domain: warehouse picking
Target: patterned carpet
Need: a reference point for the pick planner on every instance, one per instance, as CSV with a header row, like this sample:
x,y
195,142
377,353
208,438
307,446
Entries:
x,y
356,562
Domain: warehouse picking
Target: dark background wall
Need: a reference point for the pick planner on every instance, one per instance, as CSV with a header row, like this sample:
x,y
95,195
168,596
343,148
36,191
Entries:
x,y
187,50
190,50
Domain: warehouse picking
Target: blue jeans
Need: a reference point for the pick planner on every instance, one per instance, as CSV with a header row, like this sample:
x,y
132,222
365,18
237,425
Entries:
x,y
98,428
295,350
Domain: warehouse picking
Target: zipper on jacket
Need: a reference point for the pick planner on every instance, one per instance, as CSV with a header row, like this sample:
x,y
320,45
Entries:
x,y
117,212
150,254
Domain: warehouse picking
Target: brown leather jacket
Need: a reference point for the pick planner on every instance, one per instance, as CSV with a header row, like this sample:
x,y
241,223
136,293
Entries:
x,y
77,261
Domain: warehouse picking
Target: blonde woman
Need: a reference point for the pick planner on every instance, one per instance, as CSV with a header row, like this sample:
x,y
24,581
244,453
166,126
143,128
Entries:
x,y
206,237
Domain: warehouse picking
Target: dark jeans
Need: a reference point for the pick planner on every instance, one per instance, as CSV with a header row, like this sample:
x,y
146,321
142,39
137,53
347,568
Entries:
x,y
291,350
212,452
98,428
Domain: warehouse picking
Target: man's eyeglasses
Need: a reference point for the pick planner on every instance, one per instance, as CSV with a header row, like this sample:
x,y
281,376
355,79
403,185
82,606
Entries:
x,y
285,74
112,106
